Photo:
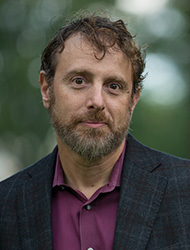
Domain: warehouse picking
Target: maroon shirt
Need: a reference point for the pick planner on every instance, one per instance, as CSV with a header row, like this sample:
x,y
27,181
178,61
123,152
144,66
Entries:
x,y
82,224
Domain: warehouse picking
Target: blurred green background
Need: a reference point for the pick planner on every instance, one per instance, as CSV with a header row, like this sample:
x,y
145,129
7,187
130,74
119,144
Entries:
x,y
162,117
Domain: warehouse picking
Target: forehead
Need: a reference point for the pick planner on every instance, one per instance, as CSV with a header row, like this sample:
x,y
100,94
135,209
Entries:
x,y
80,43
79,54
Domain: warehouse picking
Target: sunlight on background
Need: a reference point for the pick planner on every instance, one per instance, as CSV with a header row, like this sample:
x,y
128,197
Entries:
x,y
164,84
139,7
167,23
9,164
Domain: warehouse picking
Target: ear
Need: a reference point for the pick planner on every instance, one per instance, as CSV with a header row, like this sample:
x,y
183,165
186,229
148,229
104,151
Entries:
x,y
44,89
135,99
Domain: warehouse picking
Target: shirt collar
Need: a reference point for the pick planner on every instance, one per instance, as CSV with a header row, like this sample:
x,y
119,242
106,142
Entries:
x,y
115,178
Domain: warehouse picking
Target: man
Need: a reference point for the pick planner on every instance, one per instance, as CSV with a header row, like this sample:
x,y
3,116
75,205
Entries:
x,y
100,189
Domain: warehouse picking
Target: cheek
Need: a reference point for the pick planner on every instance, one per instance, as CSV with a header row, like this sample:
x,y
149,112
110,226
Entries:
x,y
67,106
118,116
120,110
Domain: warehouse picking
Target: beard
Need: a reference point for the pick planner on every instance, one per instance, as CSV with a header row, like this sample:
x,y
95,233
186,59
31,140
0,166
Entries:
x,y
90,143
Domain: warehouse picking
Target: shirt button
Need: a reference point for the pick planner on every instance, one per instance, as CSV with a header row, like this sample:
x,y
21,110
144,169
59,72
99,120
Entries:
x,y
62,187
90,248
88,207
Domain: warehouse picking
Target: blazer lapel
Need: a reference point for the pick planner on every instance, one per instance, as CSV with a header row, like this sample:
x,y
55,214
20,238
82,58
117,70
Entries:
x,y
34,207
140,198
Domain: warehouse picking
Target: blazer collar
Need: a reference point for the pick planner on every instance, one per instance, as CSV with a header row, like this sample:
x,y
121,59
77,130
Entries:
x,y
141,194
34,211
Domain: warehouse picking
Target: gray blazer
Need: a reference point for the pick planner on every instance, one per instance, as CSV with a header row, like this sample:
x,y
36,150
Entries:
x,y
153,213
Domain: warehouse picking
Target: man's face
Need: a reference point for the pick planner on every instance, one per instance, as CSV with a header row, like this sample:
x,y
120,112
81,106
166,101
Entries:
x,y
90,103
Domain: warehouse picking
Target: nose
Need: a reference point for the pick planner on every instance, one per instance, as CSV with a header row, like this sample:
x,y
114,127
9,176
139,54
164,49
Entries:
x,y
95,98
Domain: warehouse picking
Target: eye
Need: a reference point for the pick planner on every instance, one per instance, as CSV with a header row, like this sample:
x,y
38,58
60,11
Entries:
x,y
114,88
78,81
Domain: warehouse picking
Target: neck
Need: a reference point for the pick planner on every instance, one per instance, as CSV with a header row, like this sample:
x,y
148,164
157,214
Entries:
x,y
85,176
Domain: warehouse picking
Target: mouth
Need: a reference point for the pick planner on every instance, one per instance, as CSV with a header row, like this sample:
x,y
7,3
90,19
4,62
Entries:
x,y
94,124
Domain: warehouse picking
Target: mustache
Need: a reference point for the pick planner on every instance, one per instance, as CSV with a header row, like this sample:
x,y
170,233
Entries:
x,y
92,115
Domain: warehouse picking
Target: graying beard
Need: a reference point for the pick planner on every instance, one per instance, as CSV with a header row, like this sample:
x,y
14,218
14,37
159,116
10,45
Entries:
x,y
94,150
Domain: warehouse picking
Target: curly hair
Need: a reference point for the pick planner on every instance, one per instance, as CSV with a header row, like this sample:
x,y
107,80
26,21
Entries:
x,y
102,34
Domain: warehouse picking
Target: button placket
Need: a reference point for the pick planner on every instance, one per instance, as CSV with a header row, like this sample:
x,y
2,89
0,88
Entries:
x,y
87,218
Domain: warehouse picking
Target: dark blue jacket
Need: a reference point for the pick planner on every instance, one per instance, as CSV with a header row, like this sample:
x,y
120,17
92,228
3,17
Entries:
x,y
153,213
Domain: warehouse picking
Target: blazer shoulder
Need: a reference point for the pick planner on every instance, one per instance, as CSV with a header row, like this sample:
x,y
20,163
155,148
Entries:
x,y
156,161
44,167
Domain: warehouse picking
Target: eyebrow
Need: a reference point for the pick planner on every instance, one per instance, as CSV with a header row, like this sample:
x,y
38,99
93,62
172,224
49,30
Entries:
x,y
78,72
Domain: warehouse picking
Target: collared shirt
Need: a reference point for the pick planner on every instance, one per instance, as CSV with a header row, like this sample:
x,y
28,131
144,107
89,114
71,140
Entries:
x,y
85,224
